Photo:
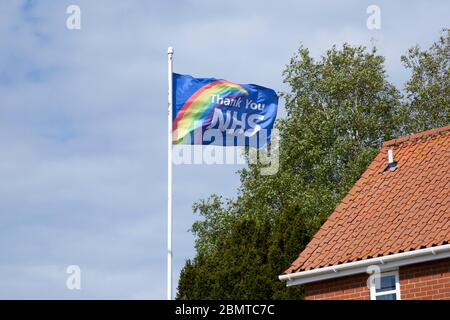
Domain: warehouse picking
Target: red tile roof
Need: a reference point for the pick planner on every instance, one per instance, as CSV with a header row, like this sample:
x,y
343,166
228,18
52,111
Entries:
x,y
389,212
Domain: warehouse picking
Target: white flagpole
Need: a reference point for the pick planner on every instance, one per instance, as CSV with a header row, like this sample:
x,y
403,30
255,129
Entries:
x,y
169,174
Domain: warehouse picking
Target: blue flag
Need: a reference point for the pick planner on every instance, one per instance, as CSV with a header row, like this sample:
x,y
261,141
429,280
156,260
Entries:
x,y
214,111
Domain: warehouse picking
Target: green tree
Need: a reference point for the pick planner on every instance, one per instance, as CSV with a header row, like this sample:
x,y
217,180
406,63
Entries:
x,y
428,90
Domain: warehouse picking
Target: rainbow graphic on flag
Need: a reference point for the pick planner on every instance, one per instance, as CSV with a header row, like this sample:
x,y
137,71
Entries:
x,y
197,101
198,109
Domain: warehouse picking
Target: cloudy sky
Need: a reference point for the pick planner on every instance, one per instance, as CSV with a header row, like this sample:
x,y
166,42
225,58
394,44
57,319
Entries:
x,y
83,123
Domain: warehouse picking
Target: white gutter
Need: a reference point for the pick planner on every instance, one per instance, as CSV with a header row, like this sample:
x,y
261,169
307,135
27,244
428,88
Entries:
x,y
385,263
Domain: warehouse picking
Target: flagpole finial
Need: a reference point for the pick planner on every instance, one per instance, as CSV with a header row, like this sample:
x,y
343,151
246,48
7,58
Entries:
x,y
170,50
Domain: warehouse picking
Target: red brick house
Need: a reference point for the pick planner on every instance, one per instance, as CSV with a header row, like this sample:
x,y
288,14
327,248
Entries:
x,y
395,222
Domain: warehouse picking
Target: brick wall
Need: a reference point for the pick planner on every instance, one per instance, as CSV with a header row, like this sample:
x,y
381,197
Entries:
x,y
430,280
346,288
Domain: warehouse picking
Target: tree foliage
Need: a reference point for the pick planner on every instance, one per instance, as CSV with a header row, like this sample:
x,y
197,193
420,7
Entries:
x,y
340,109
428,90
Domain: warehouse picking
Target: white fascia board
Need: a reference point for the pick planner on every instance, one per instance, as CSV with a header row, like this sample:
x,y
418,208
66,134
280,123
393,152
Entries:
x,y
385,263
